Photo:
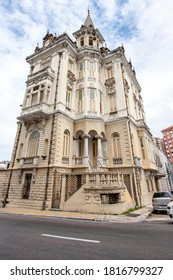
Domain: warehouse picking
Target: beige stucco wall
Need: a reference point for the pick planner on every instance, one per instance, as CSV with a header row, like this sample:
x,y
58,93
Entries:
x,y
90,202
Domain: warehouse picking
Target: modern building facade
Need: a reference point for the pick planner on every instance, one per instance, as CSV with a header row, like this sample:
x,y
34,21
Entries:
x,y
82,142
168,141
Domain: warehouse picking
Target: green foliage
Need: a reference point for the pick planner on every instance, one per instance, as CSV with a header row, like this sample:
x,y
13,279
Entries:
x,y
132,210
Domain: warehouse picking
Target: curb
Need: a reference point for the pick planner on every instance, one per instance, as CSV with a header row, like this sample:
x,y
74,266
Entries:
x,y
105,218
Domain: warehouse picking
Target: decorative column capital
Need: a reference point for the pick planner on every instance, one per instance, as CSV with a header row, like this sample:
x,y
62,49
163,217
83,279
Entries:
x,y
86,135
99,137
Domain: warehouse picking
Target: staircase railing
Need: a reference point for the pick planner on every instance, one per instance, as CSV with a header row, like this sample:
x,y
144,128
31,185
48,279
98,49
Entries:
x,y
91,166
101,165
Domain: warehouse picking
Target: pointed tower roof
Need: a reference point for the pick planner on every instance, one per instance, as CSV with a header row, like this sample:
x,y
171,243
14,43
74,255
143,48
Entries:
x,y
88,29
88,22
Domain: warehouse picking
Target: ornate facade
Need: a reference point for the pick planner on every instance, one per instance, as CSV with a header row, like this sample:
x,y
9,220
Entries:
x,y
82,142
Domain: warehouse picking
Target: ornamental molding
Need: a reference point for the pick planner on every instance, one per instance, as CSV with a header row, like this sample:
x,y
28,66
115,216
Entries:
x,y
70,79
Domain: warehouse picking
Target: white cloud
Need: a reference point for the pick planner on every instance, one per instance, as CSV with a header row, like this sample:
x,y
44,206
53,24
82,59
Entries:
x,y
144,27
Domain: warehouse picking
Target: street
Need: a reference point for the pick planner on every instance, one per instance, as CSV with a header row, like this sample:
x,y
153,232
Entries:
x,y
40,238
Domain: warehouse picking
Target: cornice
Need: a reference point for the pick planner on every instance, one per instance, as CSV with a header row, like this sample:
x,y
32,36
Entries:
x,y
62,41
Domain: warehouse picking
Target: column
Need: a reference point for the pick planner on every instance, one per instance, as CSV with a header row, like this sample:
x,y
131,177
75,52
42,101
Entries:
x,y
86,155
99,149
75,155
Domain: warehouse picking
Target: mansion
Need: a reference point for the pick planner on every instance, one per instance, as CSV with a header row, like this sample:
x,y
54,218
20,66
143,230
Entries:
x,y
82,142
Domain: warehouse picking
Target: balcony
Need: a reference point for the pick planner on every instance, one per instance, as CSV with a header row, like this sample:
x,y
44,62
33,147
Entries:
x,y
110,82
46,73
29,162
35,112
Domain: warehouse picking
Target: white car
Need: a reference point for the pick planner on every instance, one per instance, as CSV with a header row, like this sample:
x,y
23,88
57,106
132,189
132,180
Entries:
x,y
170,209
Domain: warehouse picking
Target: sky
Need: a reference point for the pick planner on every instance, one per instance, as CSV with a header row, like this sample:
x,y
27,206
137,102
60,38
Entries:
x,y
144,27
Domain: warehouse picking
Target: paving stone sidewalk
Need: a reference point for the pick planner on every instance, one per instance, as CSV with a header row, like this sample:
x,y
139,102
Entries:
x,y
135,216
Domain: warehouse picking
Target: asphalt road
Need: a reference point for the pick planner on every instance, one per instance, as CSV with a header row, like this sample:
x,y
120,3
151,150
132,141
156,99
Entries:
x,y
39,238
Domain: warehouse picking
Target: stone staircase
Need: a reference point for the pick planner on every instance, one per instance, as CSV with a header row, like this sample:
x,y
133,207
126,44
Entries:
x,y
25,204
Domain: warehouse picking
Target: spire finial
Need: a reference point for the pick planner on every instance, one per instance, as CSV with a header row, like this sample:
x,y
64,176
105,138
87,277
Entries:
x,y
88,10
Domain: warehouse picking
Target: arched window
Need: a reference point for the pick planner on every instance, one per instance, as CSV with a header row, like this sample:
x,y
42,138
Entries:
x,y
82,41
92,99
45,149
33,144
66,143
116,145
80,100
81,67
90,41
68,98
80,146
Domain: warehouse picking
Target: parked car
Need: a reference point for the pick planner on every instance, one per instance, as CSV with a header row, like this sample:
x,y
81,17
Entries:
x,y
170,209
160,200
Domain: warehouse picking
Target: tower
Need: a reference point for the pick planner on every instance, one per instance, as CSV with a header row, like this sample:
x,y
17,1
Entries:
x,y
82,142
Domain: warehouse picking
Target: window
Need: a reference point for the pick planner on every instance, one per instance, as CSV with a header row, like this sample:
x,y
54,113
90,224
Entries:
x,y
92,99
34,98
109,198
91,69
37,94
109,72
33,144
82,41
112,102
80,100
116,145
68,98
142,147
66,143
80,70
41,95
80,148
70,66
90,41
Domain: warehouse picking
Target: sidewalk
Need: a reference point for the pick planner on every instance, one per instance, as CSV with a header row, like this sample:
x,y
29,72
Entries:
x,y
135,216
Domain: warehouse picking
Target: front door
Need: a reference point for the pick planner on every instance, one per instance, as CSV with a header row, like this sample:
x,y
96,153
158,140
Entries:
x,y
27,184
94,150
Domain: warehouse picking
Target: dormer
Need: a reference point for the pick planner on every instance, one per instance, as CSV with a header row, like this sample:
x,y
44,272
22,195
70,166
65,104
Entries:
x,y
88,35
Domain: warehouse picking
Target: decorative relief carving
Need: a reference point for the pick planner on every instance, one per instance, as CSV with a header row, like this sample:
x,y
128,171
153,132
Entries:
x,y
126,85
110,82
111,90
70,79
43,74
110,85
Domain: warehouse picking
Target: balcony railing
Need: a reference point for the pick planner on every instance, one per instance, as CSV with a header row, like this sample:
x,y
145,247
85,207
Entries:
x,y
78,160
35,111
44,73
31,161
117,160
